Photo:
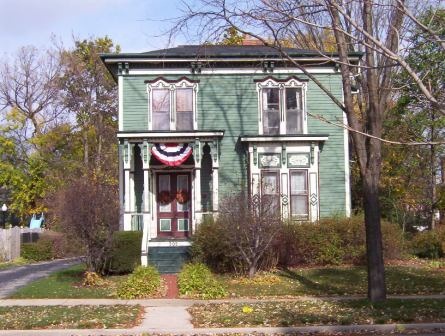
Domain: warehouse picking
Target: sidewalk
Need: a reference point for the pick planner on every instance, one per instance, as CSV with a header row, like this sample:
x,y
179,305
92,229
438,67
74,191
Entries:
x,y
170,316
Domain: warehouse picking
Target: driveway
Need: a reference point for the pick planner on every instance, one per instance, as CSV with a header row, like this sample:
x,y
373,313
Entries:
x,y
13,278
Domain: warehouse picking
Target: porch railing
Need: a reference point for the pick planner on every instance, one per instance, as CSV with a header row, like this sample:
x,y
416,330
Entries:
x,y
137,222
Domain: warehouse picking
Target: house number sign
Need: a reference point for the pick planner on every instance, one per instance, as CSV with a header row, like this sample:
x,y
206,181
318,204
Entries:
x,y
298,160
270,160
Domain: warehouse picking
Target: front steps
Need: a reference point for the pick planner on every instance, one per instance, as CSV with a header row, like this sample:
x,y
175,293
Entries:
x,y
169,259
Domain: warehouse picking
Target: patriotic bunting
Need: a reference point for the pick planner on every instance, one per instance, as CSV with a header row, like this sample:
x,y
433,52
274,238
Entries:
x,y
171,154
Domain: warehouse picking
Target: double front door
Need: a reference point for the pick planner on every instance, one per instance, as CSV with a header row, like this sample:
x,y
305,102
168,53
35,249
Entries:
x,y
173,204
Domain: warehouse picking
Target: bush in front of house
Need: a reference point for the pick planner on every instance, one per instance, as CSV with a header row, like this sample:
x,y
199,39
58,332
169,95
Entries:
x,y
144,282
428,244
335,241
125,251
50,245
42,249
196,280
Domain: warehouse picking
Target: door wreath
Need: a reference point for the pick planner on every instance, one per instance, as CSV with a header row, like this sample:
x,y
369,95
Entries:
x,y
164,197
182,196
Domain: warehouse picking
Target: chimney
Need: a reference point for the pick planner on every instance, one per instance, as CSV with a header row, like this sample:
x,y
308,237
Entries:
x,y
251,41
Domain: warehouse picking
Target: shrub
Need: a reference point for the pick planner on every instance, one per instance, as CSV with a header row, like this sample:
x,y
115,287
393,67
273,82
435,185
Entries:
x,y
428,244
212,247
144,282
196,280
125,251
41,250
334,241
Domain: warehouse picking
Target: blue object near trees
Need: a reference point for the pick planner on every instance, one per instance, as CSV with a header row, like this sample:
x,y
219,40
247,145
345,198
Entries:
x,y
36,221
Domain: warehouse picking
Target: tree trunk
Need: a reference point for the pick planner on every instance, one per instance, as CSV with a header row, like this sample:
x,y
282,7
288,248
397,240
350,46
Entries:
x,y
85,148
374,248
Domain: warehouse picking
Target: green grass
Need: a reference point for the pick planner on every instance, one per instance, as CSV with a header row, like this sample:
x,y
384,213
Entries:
x,y
67,284
64,317
400,280
302,313
17,262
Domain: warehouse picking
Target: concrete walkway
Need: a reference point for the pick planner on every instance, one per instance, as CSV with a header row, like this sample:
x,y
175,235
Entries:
x,y
170,316
13,278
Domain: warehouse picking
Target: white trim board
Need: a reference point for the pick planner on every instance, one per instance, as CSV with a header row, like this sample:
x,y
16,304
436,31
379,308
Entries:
x,y
146,59
172,135
284,139
232,71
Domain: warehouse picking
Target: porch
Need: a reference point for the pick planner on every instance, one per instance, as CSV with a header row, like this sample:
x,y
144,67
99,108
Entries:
x,y
166,199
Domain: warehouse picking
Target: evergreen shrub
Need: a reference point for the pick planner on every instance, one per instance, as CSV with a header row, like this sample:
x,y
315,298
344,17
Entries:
x,y
196,280
125,251
144,282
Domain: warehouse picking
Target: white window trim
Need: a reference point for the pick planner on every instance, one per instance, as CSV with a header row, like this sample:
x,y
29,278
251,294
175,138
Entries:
x,y
270,83
182,84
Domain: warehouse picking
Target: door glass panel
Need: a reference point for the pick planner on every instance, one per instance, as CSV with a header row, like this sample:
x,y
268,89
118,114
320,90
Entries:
x,y
294,112
161,109
165,224
183,196
184,109
183,224
164,192
271,111
270,192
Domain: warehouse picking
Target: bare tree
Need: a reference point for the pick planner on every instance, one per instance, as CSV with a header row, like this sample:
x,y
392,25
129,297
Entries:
x,y
28,84
376,29
252,225
91,218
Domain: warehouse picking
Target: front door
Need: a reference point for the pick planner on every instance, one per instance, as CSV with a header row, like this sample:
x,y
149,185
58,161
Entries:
x,y
173,204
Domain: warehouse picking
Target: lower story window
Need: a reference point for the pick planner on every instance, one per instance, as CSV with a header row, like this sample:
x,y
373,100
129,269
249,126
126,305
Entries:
x,y
299,194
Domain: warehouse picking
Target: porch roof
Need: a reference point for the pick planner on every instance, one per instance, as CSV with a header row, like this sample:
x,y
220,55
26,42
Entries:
x,y
157,136
285,138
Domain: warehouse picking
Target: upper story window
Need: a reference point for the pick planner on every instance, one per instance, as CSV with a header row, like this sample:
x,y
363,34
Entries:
x,y
282,106
172,104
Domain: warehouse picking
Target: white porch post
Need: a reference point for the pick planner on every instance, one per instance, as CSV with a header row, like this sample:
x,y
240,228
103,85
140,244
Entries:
x,y
215,174
127,156
146,202
197,213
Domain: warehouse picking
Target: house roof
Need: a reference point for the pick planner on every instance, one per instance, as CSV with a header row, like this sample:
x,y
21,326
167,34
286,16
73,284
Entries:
x,y
220,51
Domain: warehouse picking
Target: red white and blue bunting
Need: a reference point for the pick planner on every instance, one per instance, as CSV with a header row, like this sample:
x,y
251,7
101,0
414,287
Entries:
x,y
171,154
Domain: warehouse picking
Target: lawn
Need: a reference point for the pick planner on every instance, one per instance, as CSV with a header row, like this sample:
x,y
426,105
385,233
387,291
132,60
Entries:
x,y
401,280
67,284
67,317
316,312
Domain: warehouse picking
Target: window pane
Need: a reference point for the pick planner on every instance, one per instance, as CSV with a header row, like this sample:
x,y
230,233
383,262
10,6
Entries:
x,y
184,100
182,185
183,224
298,183
165,225
164,189
161,110
184,121
161,100
271,111
294,112
299,205
161,121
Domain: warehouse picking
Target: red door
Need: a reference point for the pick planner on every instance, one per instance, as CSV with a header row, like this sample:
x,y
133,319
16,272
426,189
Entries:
x,y
173,204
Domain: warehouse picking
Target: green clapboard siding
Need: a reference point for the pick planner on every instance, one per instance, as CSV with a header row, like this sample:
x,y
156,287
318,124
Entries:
x,y
230,103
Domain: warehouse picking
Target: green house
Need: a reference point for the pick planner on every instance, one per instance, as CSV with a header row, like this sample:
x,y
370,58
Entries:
x,y
197,123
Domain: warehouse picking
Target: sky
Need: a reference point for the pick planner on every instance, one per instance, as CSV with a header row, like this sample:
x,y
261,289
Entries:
x,y
136,25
